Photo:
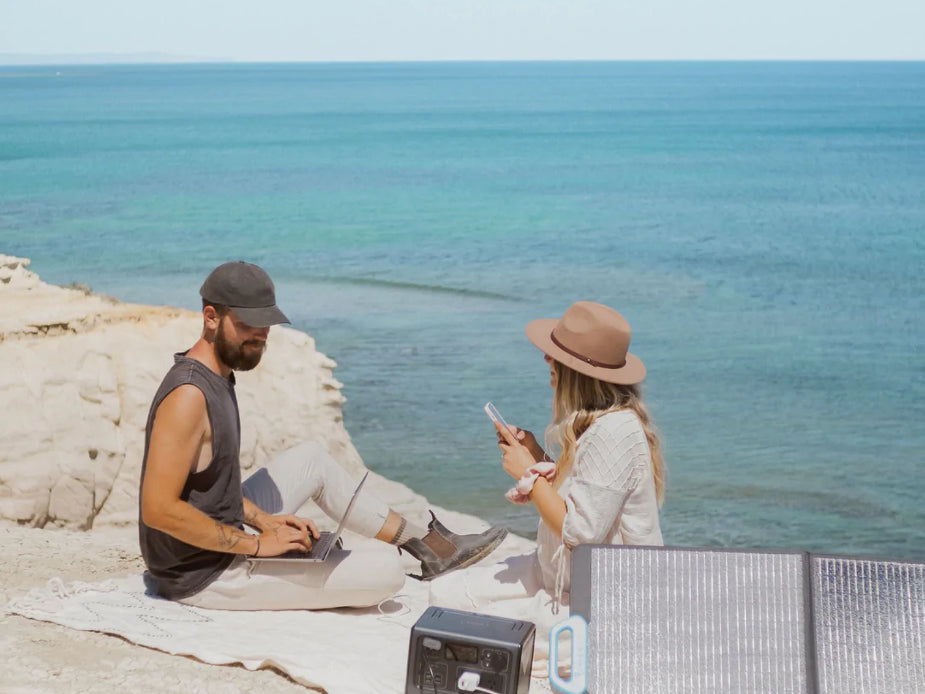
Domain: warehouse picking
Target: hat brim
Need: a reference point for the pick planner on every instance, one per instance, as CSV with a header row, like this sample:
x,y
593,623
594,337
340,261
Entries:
x,y
539,332
262,317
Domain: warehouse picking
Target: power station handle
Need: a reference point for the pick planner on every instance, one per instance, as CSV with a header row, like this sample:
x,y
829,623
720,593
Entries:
x,y
577,683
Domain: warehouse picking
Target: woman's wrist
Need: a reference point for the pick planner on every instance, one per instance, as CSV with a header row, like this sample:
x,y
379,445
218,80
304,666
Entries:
x,y
523,488
539,481
549,505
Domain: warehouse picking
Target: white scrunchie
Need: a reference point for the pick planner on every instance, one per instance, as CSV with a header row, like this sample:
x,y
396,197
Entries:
x,y
520,492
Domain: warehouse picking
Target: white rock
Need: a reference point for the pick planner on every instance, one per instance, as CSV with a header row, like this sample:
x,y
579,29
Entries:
x,y
78,372
13,273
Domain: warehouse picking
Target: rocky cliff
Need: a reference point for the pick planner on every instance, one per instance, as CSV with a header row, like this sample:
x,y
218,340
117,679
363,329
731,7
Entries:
x,y
77,373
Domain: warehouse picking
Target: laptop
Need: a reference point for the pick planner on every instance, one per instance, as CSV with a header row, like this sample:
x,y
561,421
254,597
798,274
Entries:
x,y
323,545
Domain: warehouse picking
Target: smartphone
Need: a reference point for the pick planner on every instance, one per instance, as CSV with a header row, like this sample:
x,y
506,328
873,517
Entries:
x,y
495,416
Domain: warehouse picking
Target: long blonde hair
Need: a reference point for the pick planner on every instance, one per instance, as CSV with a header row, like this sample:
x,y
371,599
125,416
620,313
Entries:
x,y
578,402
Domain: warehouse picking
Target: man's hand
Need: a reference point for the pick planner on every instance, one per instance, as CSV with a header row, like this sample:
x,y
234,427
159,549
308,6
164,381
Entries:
x,y
281,534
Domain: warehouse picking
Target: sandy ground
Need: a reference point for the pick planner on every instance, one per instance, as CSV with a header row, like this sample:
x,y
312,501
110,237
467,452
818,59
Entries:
x,y
43,657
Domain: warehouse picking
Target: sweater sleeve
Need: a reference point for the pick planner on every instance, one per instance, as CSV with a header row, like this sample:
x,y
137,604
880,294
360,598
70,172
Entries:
x,y
611,458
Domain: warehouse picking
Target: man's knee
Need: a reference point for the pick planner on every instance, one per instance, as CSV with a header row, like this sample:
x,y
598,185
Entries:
x,y
306,451
296,475
305,459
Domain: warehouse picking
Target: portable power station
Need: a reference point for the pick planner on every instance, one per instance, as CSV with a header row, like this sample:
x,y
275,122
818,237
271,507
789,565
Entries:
x,y
450,646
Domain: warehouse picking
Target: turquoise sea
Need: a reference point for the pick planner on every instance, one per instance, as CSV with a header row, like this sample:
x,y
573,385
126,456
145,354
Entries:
x,y
761,225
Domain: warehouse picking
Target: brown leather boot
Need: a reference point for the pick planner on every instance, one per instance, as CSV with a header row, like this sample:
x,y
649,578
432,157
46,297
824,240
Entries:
x,y
441,551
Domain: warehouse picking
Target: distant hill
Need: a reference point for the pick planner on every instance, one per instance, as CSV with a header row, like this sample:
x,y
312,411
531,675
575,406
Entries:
x,y
103,58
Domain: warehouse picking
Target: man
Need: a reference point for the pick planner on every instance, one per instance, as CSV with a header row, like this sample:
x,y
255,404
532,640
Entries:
x,y
194,508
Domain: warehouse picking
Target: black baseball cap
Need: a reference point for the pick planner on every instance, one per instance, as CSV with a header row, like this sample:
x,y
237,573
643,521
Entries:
x,y
247,290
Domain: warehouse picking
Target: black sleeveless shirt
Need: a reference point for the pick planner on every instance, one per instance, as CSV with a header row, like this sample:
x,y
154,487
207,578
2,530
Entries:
x,y
178,569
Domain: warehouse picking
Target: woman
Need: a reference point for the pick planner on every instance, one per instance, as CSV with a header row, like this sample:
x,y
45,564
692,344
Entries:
x,y
605,486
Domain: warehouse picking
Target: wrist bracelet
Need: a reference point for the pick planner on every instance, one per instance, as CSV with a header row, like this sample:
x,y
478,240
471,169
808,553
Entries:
x,y
257,551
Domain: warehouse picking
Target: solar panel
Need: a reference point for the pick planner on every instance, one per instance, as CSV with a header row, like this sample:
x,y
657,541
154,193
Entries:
x,y
869,625
710,622
716,621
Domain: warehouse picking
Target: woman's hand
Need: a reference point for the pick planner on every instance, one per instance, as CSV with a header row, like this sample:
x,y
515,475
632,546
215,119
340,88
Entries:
x,y
529,440
517,456
526,438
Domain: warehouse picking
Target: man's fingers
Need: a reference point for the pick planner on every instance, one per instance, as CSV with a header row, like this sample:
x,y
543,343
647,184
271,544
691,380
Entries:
x,y
303,542
301,523
294,536
300,546
306,525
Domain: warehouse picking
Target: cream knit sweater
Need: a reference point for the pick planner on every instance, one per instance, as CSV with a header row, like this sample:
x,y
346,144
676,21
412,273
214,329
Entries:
x,y
609,495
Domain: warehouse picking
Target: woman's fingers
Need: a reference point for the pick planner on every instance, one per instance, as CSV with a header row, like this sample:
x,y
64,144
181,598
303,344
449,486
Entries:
x,y
506,434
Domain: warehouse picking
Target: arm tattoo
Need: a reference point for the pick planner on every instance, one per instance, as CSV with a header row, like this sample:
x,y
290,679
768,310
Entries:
x,y
251,518
228,538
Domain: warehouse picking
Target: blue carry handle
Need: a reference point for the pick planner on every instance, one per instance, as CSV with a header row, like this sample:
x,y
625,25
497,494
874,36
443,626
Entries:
x,y
578,682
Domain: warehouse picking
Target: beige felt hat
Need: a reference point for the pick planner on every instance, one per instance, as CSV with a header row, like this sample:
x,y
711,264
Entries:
x,y
592,339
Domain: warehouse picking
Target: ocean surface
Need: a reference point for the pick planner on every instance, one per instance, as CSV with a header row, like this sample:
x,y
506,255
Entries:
x,y
761,225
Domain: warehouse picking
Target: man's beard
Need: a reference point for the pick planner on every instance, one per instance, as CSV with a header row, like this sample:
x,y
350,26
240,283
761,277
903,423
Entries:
x,y
243,357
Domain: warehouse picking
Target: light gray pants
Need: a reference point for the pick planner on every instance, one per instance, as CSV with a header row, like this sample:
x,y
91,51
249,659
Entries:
x,y
348,578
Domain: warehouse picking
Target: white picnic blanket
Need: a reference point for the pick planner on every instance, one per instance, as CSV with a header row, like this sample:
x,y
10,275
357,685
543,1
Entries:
x,y
343,651
320,648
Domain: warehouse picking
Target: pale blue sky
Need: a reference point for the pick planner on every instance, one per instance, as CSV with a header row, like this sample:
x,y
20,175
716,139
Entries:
x,y
296,30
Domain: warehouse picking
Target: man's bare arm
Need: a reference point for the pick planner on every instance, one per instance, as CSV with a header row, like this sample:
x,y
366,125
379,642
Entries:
x,y
179,431
253,513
